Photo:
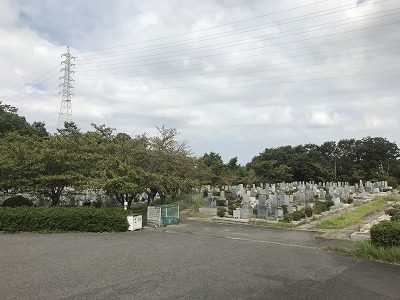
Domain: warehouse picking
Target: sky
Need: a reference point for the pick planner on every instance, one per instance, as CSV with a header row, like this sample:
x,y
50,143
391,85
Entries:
x,y
233,77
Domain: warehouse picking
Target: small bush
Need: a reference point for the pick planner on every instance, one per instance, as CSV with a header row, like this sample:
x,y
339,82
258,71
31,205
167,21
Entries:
x,y
329,203
17,201
320,206
386,234
284,208
308,211
287,218
58,219
298,215
221,202
228,195
394,214
221,211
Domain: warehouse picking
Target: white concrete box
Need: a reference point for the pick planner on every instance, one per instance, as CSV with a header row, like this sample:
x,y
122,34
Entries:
x,y
135,222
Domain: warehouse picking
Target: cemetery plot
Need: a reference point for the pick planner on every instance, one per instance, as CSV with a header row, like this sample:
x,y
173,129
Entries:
x,y
293,202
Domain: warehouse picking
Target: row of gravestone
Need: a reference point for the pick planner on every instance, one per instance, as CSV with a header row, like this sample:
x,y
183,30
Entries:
x,y
293,195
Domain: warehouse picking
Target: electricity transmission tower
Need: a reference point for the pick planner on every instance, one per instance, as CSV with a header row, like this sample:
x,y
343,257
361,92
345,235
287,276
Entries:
x,y
65,109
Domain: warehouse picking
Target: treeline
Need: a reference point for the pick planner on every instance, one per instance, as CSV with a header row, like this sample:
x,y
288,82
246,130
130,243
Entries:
x,y
46,165
371,158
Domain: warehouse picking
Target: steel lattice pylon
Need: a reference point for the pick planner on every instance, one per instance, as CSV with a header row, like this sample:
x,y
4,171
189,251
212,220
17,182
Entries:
x,y
65,114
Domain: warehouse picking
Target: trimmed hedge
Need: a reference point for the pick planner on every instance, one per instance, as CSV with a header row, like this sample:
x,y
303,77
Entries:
x,y
58,219
386,234
17,201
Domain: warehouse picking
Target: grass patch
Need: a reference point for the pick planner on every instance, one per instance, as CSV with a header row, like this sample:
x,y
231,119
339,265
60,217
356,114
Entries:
x,y
273,224
369,251
357,214
192,210
366,250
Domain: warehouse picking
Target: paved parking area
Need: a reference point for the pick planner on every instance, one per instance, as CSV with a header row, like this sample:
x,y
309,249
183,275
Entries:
x,y
193,260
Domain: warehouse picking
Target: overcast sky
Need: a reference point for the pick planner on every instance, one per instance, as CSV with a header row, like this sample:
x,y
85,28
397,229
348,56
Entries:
x,y
233,77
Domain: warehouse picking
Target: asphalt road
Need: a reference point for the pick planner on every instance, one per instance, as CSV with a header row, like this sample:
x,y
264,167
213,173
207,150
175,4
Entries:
x,y
191,261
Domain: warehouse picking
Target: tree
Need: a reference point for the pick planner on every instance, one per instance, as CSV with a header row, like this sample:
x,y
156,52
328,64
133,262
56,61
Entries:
x,y
374,157
18,167
216,165
170,167
10,121
39,129
119,167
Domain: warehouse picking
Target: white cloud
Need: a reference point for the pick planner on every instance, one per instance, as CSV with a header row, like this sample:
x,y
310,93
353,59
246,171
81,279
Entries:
x,y
323,119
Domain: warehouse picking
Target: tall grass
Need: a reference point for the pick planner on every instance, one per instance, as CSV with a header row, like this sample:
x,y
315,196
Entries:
x,y
355,215
367,250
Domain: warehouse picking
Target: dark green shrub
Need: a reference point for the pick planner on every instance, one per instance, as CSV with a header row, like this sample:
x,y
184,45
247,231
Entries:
x,y
394,214
221,202
308,211
205,193
319,207
228,195
329,203
287,218
284,208
386,234
97,204
57,219
298,215
221,211
255,211
231,208
17,201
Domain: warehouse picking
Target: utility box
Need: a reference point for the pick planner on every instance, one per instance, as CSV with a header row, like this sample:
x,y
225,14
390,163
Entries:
x,y
135,222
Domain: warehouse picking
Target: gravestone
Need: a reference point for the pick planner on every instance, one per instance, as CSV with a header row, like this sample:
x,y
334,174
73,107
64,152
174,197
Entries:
x,y
296,197
262,200
279,213
302,197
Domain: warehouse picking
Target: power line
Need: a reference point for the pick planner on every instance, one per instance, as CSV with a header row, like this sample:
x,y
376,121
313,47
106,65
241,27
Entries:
x,y
31,86
219,35
260,61
218,74
218,26
240,50
33,81
180,89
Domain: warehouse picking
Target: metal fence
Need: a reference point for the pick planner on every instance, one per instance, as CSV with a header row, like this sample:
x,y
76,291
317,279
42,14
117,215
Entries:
x,y
192,199
163,215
